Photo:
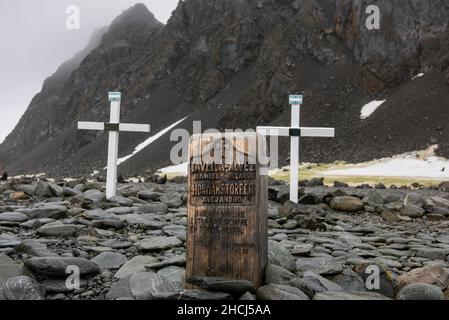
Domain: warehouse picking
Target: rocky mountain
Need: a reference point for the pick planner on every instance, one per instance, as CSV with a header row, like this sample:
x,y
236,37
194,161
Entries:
x,y
232,64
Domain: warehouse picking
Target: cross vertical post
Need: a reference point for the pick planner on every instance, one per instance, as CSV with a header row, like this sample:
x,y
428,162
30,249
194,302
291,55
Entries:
x,y
294,149
295,132
113,127
111,180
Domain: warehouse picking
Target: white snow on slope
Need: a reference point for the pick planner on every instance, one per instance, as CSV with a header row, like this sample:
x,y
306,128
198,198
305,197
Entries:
x,y
149,141
369,108
419,75
409,165
179,169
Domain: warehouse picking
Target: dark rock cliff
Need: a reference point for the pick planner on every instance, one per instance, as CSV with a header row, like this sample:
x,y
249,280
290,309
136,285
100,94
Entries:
x,y
232,64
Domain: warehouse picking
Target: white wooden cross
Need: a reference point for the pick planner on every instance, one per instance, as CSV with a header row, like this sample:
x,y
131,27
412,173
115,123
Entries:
x,y
114,127
294,132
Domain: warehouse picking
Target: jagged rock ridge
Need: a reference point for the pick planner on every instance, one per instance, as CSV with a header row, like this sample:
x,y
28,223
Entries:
x,y
231,64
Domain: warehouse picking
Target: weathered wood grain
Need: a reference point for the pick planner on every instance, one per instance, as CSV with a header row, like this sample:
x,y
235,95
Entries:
x,y
227,209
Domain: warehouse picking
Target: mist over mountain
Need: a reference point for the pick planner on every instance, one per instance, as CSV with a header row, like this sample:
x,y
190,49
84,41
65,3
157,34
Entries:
x,y
232,64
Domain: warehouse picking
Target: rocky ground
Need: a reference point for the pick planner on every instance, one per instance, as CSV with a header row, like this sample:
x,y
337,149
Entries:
x,y
133,245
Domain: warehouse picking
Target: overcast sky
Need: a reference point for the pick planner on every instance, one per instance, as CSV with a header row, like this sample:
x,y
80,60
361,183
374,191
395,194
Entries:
x,y
35,41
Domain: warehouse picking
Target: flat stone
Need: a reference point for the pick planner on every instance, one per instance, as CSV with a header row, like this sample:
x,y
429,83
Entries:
x,y
393,252
149,195
48,211
121,210
115,244
98,214
374,198
57,266
154,207
420,291
347,204
35,248
414,199
302,250
172,199
159,243
349,281
120,289
390,263
179,260
27,188
11,270
279,275
435,275
59,230
316,283
319,265
121,201
4,259
22,288
432,253
42,190
135,265
109,260
13,217
107,224
69,192
148,285
199,294
138,219
280,292
413,211
94,195
9,242
178,231
441,202
443,239
58,191
289,209
340,295
36,223
174,274
231,286
280,256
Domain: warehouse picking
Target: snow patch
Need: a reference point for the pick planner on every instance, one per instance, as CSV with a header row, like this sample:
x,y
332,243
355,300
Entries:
x,y
93,174
179,169
419,164
419,75
149,141
369,108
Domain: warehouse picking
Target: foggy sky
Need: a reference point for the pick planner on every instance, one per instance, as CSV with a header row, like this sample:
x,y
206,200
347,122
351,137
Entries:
x,y
35,41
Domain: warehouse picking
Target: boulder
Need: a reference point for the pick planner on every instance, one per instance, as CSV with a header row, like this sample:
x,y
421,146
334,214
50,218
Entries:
x,y
347,204
23,288
420,291
57,266
280,256
435,275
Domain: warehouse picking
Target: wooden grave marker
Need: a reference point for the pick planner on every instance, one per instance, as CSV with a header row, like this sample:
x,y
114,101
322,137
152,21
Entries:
x,y
227,207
